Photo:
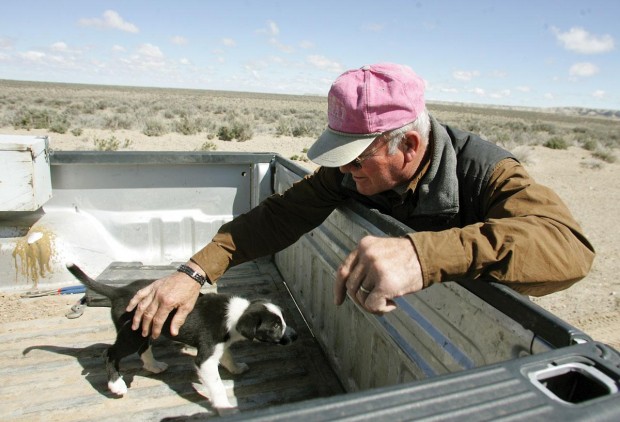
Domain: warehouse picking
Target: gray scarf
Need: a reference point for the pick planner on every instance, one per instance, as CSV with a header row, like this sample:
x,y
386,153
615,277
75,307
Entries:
x,y
439,188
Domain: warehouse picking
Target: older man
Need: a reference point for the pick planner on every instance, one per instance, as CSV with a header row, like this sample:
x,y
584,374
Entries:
x,y
473,209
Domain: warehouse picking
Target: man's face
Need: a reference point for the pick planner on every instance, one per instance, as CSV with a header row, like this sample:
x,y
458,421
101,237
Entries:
x,y
376,171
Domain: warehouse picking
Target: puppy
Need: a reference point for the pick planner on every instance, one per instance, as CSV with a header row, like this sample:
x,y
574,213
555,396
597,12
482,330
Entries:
x,y
216,322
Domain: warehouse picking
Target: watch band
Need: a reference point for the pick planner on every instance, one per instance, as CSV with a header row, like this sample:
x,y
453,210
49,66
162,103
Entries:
x,y
200,279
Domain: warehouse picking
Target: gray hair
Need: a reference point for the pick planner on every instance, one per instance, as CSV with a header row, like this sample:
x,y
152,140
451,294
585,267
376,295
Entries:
x,y
422,125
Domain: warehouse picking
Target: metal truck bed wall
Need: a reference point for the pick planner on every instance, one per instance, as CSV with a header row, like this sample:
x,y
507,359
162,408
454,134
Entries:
x,y
512,391
158,208
444,328
149,207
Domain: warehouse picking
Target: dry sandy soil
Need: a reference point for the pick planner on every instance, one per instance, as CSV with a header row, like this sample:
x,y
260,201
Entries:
x,y
592,192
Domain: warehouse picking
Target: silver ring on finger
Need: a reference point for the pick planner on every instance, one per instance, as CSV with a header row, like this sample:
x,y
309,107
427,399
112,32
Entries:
x,y
364,289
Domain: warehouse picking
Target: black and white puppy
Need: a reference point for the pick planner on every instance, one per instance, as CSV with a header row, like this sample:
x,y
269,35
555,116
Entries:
x,y
216,322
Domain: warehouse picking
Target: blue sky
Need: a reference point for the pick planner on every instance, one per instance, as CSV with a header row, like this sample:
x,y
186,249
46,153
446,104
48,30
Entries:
x,y
538,53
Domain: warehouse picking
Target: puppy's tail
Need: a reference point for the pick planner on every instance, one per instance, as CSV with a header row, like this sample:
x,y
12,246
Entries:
x,y
100,288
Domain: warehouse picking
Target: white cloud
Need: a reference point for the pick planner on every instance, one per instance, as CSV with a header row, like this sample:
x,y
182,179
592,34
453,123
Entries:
x,y
150,50
583,69
523,88
549,96
252,71
479,92
373,27
581,41
306,45
500,74
272,29
282,47
32,55
118,48
62,48
599,93
324,63
277,60
178,40
185,61
148,57
500,94
465,75
229,42
59,46
110,20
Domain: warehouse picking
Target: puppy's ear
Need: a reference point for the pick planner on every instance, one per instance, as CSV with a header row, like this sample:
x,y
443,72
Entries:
x,y
248,324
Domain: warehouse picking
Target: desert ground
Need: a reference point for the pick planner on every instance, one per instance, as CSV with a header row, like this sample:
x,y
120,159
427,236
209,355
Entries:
x,y
77,118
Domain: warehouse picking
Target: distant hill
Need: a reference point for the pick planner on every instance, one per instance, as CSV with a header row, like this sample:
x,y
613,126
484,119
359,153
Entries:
x,y
580,111
565,111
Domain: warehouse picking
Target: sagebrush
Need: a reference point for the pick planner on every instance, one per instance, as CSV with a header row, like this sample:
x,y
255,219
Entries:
x,y
239,116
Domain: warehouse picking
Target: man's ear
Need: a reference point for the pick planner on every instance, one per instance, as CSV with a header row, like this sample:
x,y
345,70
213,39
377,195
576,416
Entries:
x,y
411,145
248,324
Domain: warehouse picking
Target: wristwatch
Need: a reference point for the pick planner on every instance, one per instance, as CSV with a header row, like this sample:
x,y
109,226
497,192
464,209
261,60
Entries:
x,y
200,279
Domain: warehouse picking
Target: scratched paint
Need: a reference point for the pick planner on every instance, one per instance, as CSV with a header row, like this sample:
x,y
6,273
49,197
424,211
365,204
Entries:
x,y
33,254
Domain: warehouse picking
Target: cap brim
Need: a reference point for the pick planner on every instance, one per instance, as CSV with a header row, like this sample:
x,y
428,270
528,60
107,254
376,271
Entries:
x,y
335,149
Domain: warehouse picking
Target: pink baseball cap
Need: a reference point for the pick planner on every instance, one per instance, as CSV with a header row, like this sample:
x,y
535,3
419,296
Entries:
x,y
362,104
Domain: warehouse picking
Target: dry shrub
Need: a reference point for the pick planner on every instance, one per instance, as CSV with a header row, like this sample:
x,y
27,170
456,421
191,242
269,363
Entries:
x,y
240,116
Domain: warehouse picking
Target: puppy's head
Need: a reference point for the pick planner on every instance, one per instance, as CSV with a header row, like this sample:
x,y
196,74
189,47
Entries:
x,y
263,321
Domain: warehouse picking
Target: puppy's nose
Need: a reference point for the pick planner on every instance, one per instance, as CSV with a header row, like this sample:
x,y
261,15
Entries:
x,y
290,335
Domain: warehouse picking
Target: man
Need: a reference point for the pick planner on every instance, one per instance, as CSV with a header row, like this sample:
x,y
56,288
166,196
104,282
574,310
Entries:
x,y
473,208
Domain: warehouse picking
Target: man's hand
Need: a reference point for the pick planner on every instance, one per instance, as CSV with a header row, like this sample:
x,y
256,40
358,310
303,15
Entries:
x,y
377,271
154,303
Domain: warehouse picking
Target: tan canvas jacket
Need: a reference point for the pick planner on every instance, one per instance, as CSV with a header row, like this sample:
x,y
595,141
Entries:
x,y
526,237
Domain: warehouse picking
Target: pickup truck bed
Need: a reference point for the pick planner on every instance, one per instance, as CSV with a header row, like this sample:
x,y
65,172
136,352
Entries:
x,y
51,369
466,350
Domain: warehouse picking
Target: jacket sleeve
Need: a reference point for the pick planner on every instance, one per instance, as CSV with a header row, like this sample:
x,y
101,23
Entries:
x,y
528,239
274,224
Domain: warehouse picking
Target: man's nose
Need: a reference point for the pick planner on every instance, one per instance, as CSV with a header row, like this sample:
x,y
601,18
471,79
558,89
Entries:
x,y
347,168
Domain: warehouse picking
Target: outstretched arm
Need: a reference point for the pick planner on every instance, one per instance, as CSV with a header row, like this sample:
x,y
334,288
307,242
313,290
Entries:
x,y
273,225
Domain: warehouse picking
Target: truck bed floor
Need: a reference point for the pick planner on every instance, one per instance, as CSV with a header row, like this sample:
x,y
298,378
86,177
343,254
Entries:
x,y
51,369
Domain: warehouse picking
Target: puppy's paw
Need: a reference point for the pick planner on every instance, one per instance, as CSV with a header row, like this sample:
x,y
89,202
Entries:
x,y
118,387
156,367
240,368
202,390
224,411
